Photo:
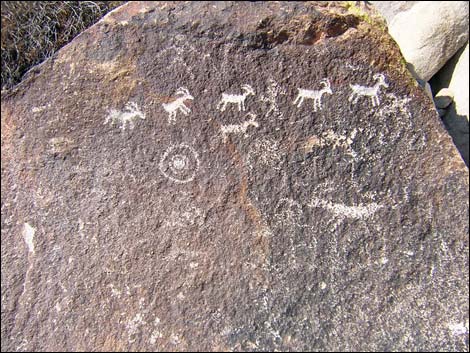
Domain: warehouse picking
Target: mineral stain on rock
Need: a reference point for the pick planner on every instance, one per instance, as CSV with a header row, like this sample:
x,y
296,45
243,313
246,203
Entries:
x,y
232,176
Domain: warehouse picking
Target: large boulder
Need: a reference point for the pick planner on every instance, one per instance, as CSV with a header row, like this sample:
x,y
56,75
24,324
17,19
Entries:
x,y
230,176
459,84
428,32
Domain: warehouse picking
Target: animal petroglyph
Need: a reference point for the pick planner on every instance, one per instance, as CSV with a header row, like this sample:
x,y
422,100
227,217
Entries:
x,y
179,163
313,94
239,128
371,92
178,104
238,99
126,117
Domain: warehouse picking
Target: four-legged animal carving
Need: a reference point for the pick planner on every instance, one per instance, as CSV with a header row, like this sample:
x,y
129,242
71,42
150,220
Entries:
x,y
228,129
315,95
125,117
371,92
178,104
236,99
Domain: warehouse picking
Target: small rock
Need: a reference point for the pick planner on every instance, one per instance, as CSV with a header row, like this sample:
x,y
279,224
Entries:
x,y
443,98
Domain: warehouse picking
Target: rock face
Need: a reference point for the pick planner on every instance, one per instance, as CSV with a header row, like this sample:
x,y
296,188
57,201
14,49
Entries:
x,y
428,32
230,176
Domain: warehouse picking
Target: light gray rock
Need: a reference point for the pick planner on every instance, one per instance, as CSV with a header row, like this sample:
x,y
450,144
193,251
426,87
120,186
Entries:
x,y
459,84
389,9
429,33
444,98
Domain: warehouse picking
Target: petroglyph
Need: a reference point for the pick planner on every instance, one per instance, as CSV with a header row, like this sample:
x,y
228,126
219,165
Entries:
x,y
179,163
239,128
333,140
371,92
238,99
175,55
343,211
270,97
178,104
394,104
127,116
316,95
458,328
28,236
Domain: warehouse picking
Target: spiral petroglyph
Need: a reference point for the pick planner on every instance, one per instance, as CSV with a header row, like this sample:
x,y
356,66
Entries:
x,y
179,163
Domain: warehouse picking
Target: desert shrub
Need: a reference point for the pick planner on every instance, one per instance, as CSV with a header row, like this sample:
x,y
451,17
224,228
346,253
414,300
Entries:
x,y
34,30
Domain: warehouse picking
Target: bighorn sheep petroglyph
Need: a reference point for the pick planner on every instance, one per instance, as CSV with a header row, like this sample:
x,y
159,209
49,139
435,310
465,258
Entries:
x,y
239,128
315,95
238,99
178,104
126,117
372,92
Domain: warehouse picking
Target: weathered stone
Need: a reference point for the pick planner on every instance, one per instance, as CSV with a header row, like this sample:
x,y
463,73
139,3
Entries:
x,y
390,9
429,33
142,209
444,98
460,84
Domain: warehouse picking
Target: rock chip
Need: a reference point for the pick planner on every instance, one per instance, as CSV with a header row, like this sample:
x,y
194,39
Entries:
x,y
444,98
429,33
194,176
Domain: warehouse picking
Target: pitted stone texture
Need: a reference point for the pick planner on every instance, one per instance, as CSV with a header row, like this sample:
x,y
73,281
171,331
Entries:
x,y
274,228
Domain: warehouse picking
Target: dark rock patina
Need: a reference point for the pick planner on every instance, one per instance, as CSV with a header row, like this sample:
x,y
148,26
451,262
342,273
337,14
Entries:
x,y
143,209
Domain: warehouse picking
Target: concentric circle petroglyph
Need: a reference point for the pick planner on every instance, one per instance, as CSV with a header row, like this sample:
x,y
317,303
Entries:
x,y
179,163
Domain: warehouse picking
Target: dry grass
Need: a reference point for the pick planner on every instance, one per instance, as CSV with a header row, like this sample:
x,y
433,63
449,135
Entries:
x,y
33,31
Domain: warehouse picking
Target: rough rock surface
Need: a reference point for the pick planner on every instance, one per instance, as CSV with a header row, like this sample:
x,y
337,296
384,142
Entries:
x,y
170,182
429,33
